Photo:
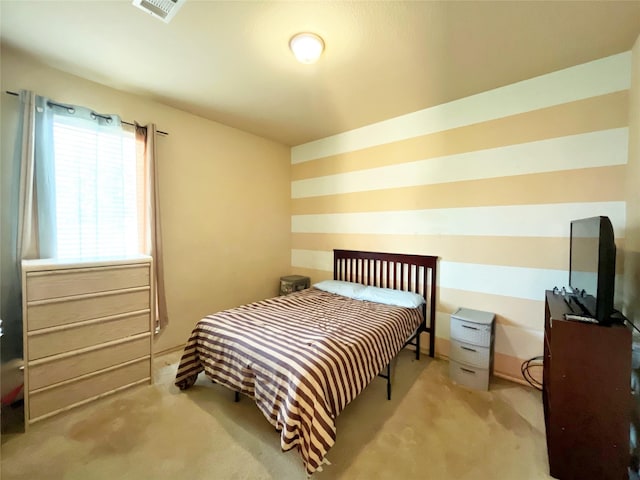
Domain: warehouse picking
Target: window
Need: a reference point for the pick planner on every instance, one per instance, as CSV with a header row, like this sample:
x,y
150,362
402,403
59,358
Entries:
x,y
97,202
84,187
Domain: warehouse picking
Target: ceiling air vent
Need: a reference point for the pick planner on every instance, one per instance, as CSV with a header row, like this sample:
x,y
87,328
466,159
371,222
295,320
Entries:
x,y
162,9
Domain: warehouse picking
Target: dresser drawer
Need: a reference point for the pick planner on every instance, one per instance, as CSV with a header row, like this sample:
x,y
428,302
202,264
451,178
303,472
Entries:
x,y
64,283
470,354
58,369
52,400
70,310
469,376
469,332
77,336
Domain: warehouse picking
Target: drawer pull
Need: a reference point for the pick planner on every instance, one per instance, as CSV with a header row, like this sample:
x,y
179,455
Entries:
x,y
470,328
468,349
466,370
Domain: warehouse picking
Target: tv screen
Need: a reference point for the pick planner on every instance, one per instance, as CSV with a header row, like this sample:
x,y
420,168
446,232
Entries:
x,y
592,258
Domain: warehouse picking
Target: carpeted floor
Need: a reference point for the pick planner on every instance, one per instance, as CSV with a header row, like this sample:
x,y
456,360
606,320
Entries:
x,y
431,429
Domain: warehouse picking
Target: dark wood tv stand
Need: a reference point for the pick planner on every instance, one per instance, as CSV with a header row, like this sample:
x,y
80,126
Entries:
x,y
586,395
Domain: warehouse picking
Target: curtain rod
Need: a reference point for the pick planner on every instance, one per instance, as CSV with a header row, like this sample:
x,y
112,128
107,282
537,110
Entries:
x,y
159,132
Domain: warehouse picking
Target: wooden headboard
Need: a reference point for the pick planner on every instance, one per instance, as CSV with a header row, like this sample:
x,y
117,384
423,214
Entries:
x,y
412,273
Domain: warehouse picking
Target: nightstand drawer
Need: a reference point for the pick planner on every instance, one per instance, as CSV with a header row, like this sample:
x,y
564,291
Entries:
x,y
472,377
469,332
470,354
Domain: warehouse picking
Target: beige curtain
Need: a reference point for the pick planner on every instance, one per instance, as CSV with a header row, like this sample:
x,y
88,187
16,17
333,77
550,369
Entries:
x,y
26,243
149,226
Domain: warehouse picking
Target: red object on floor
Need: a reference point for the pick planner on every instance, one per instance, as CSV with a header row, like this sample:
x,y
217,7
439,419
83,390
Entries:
x,y
9,398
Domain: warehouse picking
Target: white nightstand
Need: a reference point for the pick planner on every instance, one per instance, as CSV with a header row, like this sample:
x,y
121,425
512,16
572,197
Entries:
x,y
471,356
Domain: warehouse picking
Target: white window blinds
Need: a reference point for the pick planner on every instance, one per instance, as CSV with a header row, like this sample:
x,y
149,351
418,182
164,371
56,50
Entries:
x,y
96,185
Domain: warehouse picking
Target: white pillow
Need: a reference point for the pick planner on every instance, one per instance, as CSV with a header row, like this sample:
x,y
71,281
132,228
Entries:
x,y
389,296
346,289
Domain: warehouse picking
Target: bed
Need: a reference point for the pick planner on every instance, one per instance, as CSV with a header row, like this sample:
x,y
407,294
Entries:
x,y
303,357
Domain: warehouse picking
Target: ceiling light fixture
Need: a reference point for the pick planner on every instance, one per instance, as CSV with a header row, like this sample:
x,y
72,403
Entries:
x,y
307,47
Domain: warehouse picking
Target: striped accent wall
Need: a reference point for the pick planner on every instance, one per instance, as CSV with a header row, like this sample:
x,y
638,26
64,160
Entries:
x,y
488,183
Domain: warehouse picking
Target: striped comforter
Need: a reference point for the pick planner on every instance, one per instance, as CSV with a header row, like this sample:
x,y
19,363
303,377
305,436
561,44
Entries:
x,y
302,357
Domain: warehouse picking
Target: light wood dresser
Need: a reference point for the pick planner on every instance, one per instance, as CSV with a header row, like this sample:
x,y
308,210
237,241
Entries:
x,y
87,331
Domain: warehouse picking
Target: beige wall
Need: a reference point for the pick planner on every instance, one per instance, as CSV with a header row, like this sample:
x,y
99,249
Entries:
x,y
488,183
631,290
224,196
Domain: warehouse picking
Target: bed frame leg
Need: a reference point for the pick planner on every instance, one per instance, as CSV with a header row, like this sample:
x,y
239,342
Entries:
x,y
388,377
389,381
432,342
236,397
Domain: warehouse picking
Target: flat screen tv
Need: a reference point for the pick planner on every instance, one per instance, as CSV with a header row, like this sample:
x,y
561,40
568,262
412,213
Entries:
x,y
592,267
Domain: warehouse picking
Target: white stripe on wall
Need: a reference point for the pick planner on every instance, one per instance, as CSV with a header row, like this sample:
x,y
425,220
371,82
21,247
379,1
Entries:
x,y
599,77
514,341
314,259
551,220
594,149
519,282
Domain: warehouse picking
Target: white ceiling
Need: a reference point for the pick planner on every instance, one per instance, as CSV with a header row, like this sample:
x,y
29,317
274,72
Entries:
x,y
229,60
